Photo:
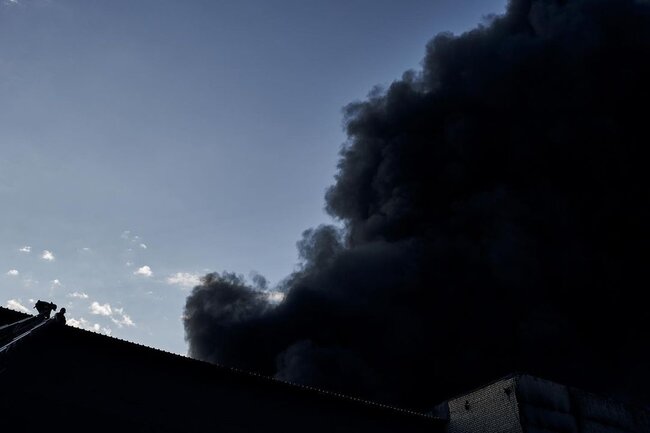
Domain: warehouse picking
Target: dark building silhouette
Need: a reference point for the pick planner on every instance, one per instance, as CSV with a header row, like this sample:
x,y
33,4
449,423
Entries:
x,y
52,374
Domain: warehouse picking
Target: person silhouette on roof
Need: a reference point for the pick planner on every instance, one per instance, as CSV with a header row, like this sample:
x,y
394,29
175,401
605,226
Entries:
x,y
60,316
45,308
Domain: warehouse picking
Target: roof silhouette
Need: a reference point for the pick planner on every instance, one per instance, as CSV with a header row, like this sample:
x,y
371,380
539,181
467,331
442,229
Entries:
x,y
133,383
90,381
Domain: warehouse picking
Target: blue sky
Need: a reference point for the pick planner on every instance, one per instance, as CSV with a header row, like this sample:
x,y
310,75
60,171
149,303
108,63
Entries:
x,y
145,143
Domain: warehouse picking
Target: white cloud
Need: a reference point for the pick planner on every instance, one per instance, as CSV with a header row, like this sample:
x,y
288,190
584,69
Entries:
x,y
55,282
274,297
144,271
117,315
74,322
14,304
122,319
129,263
84,324
79,295
29,282
85,249
101,309
13,272
128,235
143,246
47,255
184,279
25,249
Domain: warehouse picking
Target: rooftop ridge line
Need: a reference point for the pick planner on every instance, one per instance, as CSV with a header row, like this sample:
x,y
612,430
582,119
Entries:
x,y
270,379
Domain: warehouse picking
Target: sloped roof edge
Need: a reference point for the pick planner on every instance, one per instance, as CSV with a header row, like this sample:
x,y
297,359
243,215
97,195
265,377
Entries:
x,y
244,373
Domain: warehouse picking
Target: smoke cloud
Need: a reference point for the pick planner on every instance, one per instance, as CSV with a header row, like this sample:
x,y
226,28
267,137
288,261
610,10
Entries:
x,y
495,215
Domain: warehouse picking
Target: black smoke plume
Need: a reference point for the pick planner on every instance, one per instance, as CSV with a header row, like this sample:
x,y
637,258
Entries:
x,y
495,213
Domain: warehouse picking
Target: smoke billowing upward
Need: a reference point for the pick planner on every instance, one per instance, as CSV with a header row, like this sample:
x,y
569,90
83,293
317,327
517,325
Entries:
x,y
496,216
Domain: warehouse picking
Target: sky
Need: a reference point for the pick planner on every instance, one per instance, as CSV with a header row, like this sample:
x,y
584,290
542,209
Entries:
x,y
144,144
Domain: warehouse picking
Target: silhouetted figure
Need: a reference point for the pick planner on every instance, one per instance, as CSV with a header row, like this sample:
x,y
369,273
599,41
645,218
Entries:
x,y
45,308
60,317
